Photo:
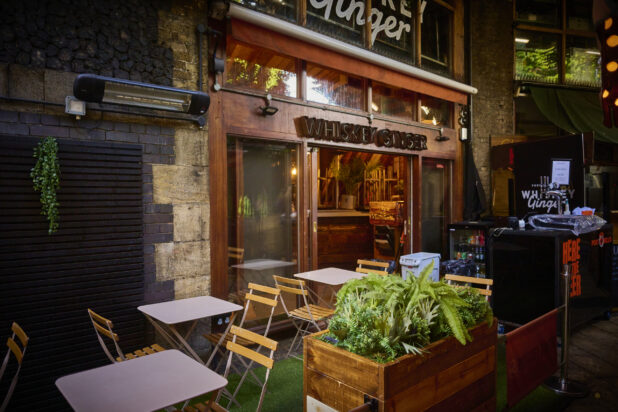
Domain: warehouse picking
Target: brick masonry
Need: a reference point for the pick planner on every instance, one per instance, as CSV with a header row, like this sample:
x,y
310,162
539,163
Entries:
x,y
158,148
491,55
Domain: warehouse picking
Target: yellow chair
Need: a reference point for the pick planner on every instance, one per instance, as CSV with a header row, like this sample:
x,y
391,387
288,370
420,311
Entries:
x,y
369,266
235,348
468,281
103,326
18,353
306,314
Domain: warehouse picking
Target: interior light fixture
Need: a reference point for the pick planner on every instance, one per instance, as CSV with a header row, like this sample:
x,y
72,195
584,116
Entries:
x,y
99,89
441,137
268,110
522,40
425,109
594,52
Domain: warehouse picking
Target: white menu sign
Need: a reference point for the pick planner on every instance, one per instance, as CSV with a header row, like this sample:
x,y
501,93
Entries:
x,y
560,171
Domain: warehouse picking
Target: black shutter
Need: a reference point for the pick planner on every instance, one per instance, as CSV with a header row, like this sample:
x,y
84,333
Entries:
x,y
94,260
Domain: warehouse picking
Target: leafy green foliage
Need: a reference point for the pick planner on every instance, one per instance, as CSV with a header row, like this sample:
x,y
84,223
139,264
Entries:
x,y
46,179
384,317
352,174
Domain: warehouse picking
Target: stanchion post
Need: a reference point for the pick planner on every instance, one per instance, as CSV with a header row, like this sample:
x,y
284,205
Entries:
x,y
561,384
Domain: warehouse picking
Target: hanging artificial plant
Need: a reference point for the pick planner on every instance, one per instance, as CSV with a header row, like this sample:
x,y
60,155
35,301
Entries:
x,y
46,179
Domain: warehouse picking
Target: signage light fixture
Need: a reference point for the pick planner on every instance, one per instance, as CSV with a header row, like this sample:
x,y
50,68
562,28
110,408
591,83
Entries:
x,y
99,89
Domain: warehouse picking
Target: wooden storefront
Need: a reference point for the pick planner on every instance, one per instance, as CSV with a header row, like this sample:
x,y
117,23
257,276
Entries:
x,y
237,115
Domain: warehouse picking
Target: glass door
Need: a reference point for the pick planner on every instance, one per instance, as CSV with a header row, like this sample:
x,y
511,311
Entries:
x,y
435,208
262,214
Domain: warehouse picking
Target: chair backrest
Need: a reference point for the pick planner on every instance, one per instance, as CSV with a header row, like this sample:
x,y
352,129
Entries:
x,y
253,355
269,297
468,281
103,328
369,266
18,352
235,254
295,287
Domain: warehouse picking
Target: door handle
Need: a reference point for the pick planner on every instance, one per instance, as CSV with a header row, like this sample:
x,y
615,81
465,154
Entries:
x,y
315,227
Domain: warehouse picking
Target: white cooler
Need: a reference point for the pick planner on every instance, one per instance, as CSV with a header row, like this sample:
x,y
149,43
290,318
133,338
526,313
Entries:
x,y
416,262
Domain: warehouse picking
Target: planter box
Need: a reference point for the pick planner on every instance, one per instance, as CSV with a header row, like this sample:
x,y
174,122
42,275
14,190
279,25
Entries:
x,y
450,377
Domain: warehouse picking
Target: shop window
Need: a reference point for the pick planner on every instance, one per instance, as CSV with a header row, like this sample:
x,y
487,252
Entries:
x,y
436,38
537,56
262,214
545,13
435,111
393,101
435,208
333,87
579,15
344,20
285,9
259,69
582,62
398,42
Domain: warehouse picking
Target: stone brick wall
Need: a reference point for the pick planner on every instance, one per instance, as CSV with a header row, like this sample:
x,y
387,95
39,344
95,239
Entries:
x,y
115,38
491,58
44,44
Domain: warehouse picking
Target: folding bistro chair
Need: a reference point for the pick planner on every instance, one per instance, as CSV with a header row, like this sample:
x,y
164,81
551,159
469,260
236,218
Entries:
x,y
269,300
305,315
468,281
103,326
234,347
18,353
369,266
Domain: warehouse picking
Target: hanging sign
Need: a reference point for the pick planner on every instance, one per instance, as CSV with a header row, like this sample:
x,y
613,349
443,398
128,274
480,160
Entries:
x,y
321,129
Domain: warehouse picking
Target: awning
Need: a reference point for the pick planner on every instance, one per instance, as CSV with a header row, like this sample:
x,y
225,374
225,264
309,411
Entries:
x,y
575,111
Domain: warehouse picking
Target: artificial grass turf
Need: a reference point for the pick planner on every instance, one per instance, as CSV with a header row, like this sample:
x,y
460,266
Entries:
x,y
285,390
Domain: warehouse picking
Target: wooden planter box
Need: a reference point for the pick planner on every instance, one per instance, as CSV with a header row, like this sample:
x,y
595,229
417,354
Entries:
x,y
450,377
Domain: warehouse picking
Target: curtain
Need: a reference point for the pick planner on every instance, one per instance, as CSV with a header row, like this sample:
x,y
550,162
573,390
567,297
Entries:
x,y
575,111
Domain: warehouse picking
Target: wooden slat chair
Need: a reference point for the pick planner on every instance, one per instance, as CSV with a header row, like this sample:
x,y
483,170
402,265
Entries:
x,y
103,326
305,315
369,266
235,348
468,281
269,298
18,353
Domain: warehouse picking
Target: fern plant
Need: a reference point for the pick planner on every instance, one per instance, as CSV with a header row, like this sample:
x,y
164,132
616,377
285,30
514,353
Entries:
x,y
46,179
384,317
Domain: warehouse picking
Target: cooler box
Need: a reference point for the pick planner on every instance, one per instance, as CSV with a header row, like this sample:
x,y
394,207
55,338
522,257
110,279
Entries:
x,y
416,262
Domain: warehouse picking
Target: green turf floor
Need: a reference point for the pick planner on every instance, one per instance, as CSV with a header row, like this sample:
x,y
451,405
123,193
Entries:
x,y
285,390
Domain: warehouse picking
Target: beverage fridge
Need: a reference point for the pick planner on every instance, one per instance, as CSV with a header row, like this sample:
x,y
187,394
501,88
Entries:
x,y
467,241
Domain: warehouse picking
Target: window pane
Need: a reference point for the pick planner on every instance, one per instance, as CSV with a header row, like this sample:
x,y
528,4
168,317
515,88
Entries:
x,y
582,62
436,38
396,42
262,218
579,15
433,210
334,87
393,101
435,111
536,56
343,19
286,9
259,69
544,13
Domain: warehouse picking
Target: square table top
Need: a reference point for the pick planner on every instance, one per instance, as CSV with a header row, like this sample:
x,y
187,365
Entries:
x,y
330,276
142,384
184,310
263,264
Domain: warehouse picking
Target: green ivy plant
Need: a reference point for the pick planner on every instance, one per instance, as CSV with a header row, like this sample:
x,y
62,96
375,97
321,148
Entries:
x,y
46,179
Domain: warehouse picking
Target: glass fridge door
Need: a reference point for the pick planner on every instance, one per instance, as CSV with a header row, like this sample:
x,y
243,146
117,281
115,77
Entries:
x,y
469,244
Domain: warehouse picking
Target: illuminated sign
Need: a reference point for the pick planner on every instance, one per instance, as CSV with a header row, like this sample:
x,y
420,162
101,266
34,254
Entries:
x,y
353,133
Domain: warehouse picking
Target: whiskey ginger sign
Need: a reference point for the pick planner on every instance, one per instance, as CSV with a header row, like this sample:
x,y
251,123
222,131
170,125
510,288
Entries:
x,y
335,131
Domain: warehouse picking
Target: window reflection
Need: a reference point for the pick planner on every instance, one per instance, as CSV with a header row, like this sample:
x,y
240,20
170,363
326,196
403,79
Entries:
x,y
536,56
435,111
582,62
333,87
260,69
393,101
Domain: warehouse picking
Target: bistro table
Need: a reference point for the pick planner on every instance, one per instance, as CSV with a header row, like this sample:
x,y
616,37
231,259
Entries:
x,y
142,384
332,277
165,316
